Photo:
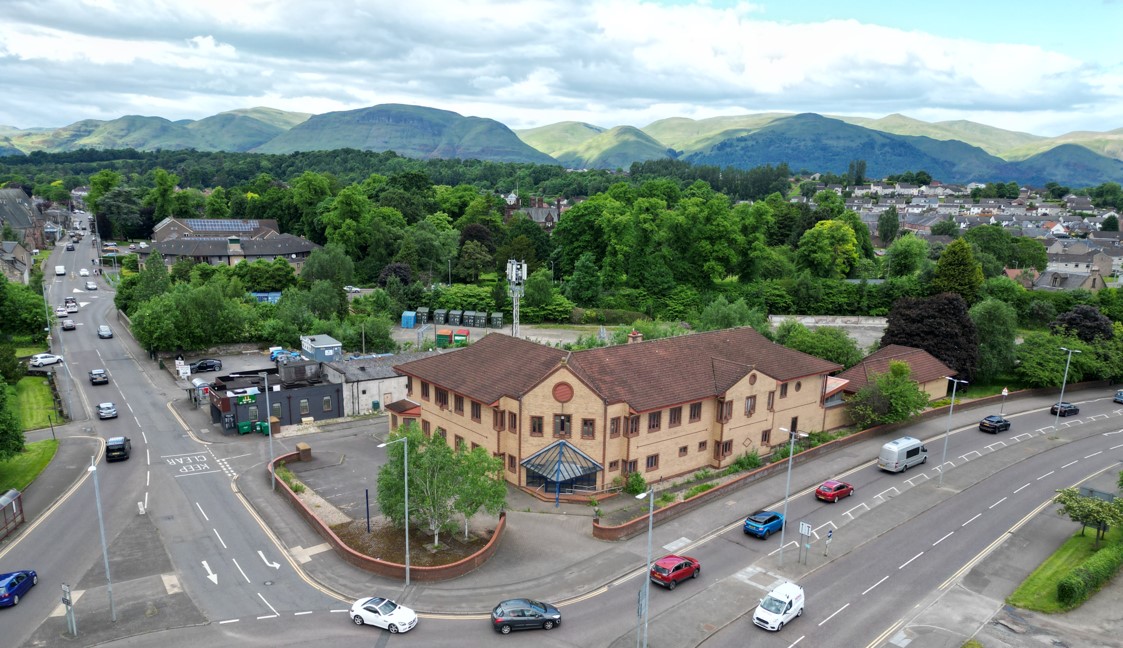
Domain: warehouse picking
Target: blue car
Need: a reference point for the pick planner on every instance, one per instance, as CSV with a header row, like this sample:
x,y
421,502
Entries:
x,y
763,523
14,585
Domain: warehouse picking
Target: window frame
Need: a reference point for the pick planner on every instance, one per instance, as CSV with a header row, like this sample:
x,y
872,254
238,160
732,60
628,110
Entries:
x,y
536,426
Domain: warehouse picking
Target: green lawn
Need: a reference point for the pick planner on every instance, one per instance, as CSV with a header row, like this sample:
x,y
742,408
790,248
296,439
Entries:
x,y
21,470
1039,591
33,402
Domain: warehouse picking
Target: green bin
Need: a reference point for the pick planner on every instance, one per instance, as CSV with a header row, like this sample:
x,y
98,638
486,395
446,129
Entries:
x,y
244,427
262,427
376,405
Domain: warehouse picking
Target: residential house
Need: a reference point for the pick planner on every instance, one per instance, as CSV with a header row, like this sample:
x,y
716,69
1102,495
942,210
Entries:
x,y
925,369
1055,280
15,262
1089,262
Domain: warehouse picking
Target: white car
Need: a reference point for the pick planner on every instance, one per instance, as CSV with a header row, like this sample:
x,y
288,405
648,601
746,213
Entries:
x,y
44,359
61,311
90,285
384,613
783,603
83,273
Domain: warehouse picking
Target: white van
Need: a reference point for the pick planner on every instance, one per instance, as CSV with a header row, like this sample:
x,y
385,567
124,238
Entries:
x,y
783,603
60,271
901,454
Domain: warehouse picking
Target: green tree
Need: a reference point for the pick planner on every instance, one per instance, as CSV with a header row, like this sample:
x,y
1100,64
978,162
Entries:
x,y
888,225
941,326
1110,224
153,280
1085,322
906,256
100,184
1089,511
945,228
1041,362
481,484
434,485
826,342
828,250
539,290
890,397
473,261
391,476
584,286
11,434
216,205
160,196
997,324
11,369
329,263
958,272
720,314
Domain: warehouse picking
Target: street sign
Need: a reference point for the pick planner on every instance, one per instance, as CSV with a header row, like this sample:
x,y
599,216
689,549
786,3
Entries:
x,y
804,528
1005,392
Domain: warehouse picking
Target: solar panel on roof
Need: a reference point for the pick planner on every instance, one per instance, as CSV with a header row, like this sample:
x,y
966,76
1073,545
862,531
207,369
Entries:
x,y
220,225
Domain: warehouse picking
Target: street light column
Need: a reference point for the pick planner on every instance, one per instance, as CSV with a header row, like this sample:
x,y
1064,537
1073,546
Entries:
x,y
104,547
650,495
954,384
1057,418
787,489
269,426
405,473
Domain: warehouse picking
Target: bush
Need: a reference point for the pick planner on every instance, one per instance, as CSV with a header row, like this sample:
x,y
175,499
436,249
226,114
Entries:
x,y
703,474
780,453
746,461
699,488
665,499
1089,576
635,484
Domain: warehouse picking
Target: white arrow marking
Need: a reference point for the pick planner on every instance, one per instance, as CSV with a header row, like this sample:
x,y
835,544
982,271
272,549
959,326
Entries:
x,y
267,563
211,575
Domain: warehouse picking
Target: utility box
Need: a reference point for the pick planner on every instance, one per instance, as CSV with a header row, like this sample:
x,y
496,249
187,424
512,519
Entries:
x,y
455,317
497,320
440,316
409,319
461,336
469,318
444,338
423,315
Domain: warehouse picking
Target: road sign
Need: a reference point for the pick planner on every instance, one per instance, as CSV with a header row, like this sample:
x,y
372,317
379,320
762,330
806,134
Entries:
x,y
830,534
1005,392
805,528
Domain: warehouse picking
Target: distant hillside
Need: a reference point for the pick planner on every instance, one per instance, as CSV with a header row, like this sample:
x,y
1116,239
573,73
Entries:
x,y
1069,164
1109,144
557,139
584,146
282,119
990,139
412,131
690,135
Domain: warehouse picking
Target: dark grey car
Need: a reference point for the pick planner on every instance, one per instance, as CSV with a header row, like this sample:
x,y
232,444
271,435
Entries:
x,y
524,614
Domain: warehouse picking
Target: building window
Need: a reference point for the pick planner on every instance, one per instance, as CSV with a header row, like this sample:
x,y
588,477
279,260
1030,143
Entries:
x,y
327,403
795,424
725,411
476,412
498,418
475,445
726,448
765,437
253,412
674,417
630,466
683,451
588,429
695,412
304,407
771,400
511,463
654,421
276,410
633,425
409,386
614,427
563,425
512,422
458,404
783,390
441,432
425,390
442,398
652,462
457,441
798,385
614,465
750,405
536,426
426,427
702,446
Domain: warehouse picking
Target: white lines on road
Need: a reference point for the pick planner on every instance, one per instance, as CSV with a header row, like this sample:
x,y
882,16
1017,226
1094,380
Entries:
x,y
831,524
146,500
1069,464
941,540
946,463
229,621
870,588
1094,454
860,506
335,611
792,644
909,480
147,478
882,494
906,563
777,549
147,457
203,513
973,452
240,570
1026,485
268,616
1112,433
996,443
996,503
201,472
219,538
977,516
1046,475
144,436
1022,436
835,612
266,604
302,613
274,565
1116,446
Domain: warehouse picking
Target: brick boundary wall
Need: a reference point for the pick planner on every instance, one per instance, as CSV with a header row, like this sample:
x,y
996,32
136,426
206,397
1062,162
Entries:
x,y
639,525
382,567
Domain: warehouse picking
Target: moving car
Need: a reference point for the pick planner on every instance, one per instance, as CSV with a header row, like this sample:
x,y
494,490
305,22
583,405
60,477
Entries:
x,y
994,424
383,613
901,454
833,490
1118,397
524,614
118,448
104,332
763,523
69,247
83,273
68,325
44,359
1064,408
106,410
61,311
14,585
351,289
99,377
90,285
71,305
670,570
783,603
206,364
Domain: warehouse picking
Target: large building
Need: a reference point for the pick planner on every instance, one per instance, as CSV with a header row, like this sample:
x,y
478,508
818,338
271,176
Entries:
x,y
576,420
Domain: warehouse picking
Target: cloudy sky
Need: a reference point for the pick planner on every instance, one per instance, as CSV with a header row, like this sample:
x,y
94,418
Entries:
x,y
1037,66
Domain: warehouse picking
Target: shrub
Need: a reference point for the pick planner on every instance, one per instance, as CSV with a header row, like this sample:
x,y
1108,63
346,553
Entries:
x,y
746,461
698,488
665,499
635,484
780,453
1089,576
703,474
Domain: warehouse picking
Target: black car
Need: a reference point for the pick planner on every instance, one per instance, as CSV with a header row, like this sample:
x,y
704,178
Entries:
x,y
994,424
69,247
524,614
1064,409
118,448
99,377
206,364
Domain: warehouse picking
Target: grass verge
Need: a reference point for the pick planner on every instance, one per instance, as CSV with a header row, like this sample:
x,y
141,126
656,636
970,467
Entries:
x,y
22,469
33,403
1039,591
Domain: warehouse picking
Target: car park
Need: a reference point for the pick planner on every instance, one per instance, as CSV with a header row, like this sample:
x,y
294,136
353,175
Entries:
x,y
118,448
61,311
99,377
206,364
44,359
68,325
764,523
994,424
779,607
524,614
833,490
15,585
383,613
106,411
104,332
91,285
671,570
1064,409
83,273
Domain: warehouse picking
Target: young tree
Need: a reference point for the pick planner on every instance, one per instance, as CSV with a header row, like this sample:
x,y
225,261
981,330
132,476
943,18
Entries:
x,y
217,206
329,263
945,228
11,434
584,286
958,272
888,225
997,324
826,342
160,197
391,476
1041,362
890,398
1089,511
906,256
941,326
720,314
434,485
539,290
828,250
480,484
474,259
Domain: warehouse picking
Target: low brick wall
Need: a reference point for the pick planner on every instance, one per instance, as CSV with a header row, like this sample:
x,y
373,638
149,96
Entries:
x,y
382,567
672,511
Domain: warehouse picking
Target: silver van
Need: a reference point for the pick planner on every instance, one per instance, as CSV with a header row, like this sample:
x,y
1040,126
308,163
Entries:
x,y
901,454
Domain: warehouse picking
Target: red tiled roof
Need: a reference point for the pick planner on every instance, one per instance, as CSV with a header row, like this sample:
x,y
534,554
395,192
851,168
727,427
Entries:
x,y
923,365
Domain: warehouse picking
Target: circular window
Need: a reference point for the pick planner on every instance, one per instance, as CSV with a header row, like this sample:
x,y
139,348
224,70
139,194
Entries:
x,y
798,385
563,392
752,379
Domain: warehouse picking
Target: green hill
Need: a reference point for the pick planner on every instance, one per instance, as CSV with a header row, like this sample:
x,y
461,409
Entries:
x,y
559,138
689,135
990,139
1109,144
230,131
584,146
282,119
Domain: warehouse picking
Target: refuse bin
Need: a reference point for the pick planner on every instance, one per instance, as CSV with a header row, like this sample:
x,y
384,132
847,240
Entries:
x,y
376,405
262,427
245,427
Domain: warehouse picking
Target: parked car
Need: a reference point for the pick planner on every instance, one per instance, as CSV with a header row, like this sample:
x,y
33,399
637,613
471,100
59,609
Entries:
x,y
206,364
68,325
91,285
44,359
524,614
83,273
118,448
104,332
278,353
15,585
99,377
61,311
994,424
764,523
351,289
783,603
833,490
106,410
383,613
1065,409
670,570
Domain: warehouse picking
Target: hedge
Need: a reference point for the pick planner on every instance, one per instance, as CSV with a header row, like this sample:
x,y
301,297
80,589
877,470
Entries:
x,y
1089,576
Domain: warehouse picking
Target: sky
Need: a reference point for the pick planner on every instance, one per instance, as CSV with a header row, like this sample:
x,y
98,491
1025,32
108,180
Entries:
x,y
1035,66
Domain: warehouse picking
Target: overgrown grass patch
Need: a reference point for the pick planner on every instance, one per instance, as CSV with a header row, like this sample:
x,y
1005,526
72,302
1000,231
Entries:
x,y
290,479
1039,591
33,403
22,469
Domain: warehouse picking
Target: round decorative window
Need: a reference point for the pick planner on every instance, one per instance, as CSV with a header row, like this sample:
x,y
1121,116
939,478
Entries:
x,y
563,392
752,379
798,385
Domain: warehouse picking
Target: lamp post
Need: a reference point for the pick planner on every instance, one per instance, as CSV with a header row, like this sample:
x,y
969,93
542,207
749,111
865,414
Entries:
x,y
792,434
269,426
954,384
645,595
405,469
104,549
1057,418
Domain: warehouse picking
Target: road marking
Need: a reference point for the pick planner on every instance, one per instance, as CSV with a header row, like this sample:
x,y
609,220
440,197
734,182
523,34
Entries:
x,y
201,472
671,546
885,635
228,621
210,575
909,480
906,563
1046,475
796,641
882,493
219,538
201,511
240,570
1026,435
147,457
1094,454
868,589
996,443
266,560
334,611
836,612
1026,485
996,503
1116,446
146,500
851,511
182,454
941,540
144,436
830,524
301,613
147,478
1069,464
268,616
973,452
266,604
777,549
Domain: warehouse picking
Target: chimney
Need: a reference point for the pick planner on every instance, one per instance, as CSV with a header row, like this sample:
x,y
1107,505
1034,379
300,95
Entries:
x,y
634,337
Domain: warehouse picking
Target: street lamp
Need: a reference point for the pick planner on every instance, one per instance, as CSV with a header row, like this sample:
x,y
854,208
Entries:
x,y
954,384
104,549
787,489
1057,418
650,495
269,426
405,469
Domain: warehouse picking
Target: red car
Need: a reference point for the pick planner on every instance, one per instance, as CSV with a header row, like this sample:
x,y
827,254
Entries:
x,y
832,490
669,570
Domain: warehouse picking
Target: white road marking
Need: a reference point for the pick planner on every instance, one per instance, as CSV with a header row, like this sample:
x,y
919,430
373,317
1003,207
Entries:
x,y
997,503
210,575
301,613
977,515
868,589
906,563
144,436
201,472
1046,475
203,512
268,616
266,604
941,540
796,641
1069,464
219,538
882,493
671,546
1026,485
973,452
1116,446
147,457
147,478
1094,454
146,500
278,565
229,621
851,511
836,612
240,570
996,443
